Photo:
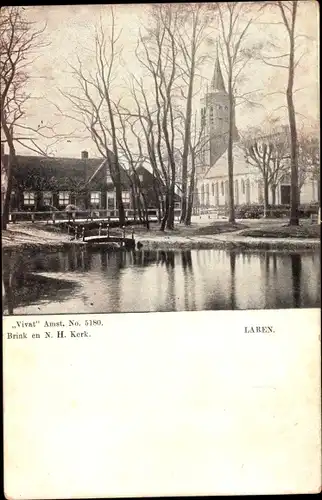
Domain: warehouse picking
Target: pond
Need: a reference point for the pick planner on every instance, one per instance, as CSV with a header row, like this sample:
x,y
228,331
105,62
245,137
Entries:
x,y
80,280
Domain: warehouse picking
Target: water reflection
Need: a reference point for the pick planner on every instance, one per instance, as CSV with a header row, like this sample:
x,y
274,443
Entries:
x,y
296,278
119,281
232,262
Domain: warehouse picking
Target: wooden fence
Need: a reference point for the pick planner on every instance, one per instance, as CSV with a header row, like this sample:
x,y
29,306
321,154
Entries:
x,y
84,215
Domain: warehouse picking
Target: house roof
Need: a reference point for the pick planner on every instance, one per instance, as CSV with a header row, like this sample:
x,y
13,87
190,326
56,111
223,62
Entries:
x,y
53,170
68,173
241,167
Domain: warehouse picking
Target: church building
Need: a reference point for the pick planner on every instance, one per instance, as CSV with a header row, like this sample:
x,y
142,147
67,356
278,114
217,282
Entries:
x,y
212,164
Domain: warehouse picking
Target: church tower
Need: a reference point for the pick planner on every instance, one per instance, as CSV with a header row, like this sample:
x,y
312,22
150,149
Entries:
x,y
215,119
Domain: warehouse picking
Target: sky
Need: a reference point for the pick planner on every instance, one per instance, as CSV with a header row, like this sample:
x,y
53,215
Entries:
x,y
70,31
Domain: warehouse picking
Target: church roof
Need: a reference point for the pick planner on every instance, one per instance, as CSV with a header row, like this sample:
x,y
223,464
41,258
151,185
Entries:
x,y
241,167
217,82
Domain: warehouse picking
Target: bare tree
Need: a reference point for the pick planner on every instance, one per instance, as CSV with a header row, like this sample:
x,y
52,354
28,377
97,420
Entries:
x,y
92,102
146,128
157,53
235,57
288,60
197,144
133,159
20,39
279,165
269,154
191,34
309,158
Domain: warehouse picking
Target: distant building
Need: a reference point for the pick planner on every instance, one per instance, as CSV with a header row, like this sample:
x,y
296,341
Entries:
x,y
212,168
84,182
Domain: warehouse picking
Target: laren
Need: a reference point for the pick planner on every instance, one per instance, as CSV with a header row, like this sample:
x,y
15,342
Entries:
x,y
26,324
259,329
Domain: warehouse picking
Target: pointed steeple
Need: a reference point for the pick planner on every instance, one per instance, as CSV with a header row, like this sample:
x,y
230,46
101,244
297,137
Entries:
x,y
217,82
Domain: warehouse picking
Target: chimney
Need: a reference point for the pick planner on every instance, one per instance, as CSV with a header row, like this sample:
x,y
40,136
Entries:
x,y
84,155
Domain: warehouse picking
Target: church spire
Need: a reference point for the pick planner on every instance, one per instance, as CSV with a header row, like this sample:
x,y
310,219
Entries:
x,y
217,82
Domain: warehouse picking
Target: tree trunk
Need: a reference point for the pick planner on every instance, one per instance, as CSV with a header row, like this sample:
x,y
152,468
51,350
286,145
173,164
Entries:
x,y
231,205
273,192
265,197
119,201
116,178
146,213
191,191
170,218
319,188
12,163
165,215
187,134
7,198
294,216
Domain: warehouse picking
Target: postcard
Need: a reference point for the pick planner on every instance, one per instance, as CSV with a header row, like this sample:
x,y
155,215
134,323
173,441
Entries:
x,y
160,197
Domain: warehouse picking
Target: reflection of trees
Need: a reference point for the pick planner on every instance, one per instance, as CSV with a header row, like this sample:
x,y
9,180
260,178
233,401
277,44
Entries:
x,y
232,262
22,285
31,289
8,290
296,262
186,261
274,257
189,282
167,258
103,260
71,261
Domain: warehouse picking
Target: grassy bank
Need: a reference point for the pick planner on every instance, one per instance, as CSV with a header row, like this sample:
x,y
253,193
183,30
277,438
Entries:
x,y
22,236
202,235
304,231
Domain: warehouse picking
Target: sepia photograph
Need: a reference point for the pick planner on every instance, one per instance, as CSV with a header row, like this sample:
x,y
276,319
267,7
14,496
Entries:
x,y
161,269
160,157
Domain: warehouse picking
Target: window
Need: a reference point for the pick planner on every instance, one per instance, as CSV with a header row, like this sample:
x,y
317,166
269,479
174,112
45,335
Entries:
x,y
141,178
203,155
28,198
236,192
226,107
95,198
222,188
217,193
226,191
213,189
207,194
211,115
243,186
63,197
126,198
47,198
203,117
110,203
202,194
